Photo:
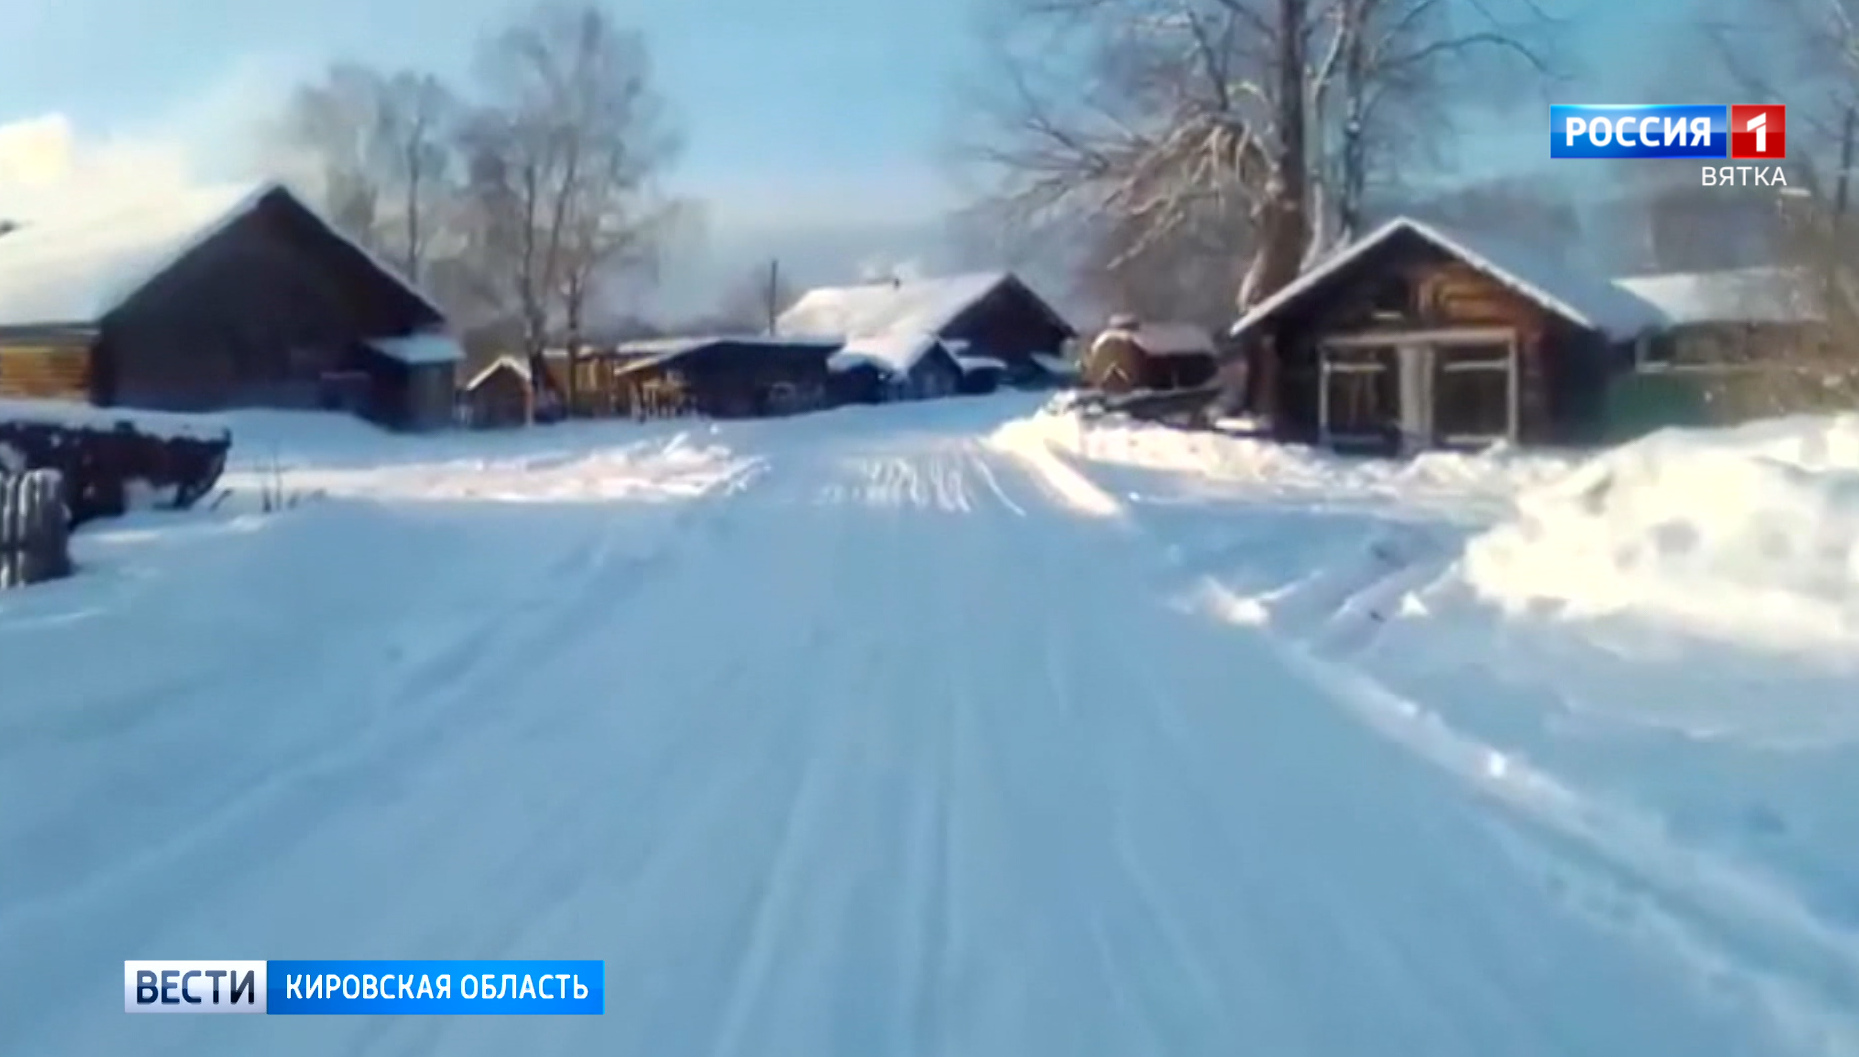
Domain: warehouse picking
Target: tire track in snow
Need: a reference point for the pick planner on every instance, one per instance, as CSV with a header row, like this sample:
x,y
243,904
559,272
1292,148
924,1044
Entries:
x,y
422,715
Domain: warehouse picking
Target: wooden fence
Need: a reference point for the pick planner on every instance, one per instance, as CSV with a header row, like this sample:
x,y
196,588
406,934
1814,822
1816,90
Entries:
x,y
35,533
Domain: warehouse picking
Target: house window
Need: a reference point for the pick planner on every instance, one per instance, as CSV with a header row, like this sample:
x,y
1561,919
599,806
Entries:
x,y
1473,393
1360,396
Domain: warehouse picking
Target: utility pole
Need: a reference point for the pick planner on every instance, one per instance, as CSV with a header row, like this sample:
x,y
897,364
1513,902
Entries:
x,y
773,294
1846,163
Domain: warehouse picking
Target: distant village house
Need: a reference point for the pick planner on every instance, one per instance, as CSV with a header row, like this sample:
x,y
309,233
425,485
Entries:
x,y
922,338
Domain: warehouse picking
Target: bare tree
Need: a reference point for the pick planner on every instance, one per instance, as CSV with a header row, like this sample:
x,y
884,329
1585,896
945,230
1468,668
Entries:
x,y
380,148
417,124
563,164
1161,113
333,126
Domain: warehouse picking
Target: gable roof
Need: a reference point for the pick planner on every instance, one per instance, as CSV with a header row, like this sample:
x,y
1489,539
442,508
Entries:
x,y
898,352
920,306
1734,295
79,266
1586,301
515,364
912,306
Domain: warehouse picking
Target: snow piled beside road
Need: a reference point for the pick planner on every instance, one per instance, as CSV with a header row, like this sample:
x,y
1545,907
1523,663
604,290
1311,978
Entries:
x,y
1248,465
1544,634
1749,535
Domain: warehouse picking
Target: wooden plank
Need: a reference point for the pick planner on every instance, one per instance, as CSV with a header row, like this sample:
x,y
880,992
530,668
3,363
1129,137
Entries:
x,y
45,372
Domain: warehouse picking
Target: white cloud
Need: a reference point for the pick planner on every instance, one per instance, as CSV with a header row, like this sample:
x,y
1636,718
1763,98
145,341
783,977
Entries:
x,y
48,164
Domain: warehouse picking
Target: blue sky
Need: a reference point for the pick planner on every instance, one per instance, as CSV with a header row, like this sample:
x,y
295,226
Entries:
x,y
816,128
808,109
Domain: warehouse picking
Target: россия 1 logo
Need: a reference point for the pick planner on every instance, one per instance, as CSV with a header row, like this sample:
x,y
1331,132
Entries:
x,y
1757,132
1752,132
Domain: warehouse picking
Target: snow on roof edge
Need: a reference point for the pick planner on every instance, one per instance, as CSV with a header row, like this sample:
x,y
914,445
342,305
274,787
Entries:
x,y
515,363
1456,246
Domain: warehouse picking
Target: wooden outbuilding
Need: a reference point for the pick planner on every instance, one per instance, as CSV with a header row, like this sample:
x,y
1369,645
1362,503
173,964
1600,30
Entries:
x,y
502,394
1416,337
225,297
984,315
1131,356
726,377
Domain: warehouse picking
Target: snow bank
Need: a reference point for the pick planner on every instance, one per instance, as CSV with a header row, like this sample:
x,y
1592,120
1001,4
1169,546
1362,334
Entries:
x,y
1262,465
1749,534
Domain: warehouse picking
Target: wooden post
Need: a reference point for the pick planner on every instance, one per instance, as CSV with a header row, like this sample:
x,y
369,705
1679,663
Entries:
x,y
34,529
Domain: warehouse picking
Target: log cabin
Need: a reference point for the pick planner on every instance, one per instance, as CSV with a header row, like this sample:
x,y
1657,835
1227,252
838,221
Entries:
x,y
1417,337
982,316
218,298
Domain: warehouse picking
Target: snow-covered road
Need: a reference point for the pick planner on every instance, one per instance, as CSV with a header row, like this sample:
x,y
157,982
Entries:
x,y
881,741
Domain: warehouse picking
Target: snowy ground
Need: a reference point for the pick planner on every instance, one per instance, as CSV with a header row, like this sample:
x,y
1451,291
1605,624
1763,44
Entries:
x,y
933,730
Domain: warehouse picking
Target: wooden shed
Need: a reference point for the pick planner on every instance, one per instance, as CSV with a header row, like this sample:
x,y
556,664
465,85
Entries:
x,y
727,377
501,395
1130,356
1415,337
982,315
218,298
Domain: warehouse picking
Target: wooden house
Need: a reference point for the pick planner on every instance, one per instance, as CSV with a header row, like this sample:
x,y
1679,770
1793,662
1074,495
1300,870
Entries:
x,y
215,299
1415,337
725,377
502,394
900,327
1131,356
1721,332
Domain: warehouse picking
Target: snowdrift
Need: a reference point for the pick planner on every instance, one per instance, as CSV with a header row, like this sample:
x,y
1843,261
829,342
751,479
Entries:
x,y
1748,534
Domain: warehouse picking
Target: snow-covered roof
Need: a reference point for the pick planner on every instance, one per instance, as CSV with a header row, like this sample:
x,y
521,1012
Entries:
x,y
77,265
1586,300
898,352
914,306
970,364
1737,295
517,364
420,350
1164,339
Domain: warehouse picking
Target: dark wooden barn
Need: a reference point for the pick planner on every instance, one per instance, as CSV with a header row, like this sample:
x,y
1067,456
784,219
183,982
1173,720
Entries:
x,y
1130,356
1414,337
727,377
990,315
225,298
501,395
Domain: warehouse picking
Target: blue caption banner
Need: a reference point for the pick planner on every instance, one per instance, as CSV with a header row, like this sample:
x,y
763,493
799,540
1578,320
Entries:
x,y
435,987
1639,131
